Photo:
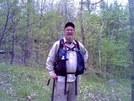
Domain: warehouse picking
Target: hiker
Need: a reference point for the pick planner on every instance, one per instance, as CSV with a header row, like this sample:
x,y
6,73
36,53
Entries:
x,y
66,87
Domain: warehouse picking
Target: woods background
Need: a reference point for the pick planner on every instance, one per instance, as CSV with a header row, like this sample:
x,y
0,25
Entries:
x,y
28,29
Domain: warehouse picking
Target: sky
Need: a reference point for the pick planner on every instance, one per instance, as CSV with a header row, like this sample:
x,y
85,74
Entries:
x,y
123,2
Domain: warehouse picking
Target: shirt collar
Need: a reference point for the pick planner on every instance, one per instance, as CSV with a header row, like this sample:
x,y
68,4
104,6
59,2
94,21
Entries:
x,y
67,42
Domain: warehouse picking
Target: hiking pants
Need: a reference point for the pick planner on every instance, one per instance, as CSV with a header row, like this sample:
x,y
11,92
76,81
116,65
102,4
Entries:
x,y
70,91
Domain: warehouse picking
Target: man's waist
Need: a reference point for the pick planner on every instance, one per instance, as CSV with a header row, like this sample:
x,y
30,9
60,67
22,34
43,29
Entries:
x,y
70,78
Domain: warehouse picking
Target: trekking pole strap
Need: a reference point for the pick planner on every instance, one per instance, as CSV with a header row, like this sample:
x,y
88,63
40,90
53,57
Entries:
x,y
48,82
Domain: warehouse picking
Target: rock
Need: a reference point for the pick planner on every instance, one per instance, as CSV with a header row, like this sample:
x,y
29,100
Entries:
x,y
112,82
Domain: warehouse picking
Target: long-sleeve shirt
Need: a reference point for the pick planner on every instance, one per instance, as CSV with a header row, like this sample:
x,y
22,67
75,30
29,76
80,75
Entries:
x,y
71,63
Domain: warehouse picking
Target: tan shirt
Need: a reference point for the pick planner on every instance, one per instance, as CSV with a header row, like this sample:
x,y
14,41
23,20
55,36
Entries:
x,y
71,63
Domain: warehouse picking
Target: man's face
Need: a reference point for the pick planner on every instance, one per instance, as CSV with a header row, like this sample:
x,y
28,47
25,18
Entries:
x,y
69,33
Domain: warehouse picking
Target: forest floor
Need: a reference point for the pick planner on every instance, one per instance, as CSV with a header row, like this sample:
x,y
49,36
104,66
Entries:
x,y
20,83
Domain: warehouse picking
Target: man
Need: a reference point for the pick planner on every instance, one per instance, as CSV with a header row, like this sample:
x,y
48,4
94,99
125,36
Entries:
x,y
68,94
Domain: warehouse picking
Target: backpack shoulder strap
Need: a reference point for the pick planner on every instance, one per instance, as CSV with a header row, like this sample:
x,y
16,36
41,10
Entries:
x,y
61,43
77,43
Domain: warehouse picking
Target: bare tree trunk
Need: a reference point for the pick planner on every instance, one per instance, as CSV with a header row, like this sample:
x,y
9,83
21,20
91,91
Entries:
x,y
37,57
5,25
26,47
65,11
99,50
99,44
13,39
88,6
131,10
81,23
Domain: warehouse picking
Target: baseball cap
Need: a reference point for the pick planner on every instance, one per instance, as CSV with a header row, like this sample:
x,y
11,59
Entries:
x,y
69,24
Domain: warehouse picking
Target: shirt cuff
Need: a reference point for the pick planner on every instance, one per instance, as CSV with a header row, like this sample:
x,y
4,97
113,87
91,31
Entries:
x,y
51,72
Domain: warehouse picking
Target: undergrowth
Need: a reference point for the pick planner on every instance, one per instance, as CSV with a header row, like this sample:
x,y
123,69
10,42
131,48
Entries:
x,y
20,83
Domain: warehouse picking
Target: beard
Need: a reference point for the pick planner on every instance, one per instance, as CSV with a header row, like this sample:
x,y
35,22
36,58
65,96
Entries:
x,y
69,38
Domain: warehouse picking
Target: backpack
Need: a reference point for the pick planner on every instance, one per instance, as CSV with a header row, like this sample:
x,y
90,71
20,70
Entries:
x,y
61,58
60,64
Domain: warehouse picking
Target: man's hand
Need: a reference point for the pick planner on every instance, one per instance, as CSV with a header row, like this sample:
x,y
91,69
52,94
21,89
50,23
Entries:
x,y
53,76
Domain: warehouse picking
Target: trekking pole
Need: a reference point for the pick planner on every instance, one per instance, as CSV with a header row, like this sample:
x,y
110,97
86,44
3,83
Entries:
x,y
52,97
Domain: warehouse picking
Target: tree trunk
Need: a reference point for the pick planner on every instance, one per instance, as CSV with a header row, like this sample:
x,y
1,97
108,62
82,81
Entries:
x,y
131,10
81,23
5,25
13,40
26,46
99,44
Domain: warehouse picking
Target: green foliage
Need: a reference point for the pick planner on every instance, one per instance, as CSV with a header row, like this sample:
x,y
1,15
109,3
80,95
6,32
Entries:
x,y
115,40
39,24
114,57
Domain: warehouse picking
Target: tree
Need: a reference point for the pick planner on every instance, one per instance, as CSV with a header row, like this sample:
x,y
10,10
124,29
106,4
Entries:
x,y
9,20
67,10
115,39
131,9
8,13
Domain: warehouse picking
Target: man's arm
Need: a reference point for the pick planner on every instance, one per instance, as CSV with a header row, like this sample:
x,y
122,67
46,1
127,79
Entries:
x,y
84,51
51,59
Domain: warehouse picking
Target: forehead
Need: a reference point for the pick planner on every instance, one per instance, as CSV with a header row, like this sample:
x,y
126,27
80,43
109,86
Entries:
x,y
69,27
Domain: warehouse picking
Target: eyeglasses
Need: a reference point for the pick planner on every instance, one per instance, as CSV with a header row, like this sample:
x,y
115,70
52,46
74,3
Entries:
x,y
69,30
